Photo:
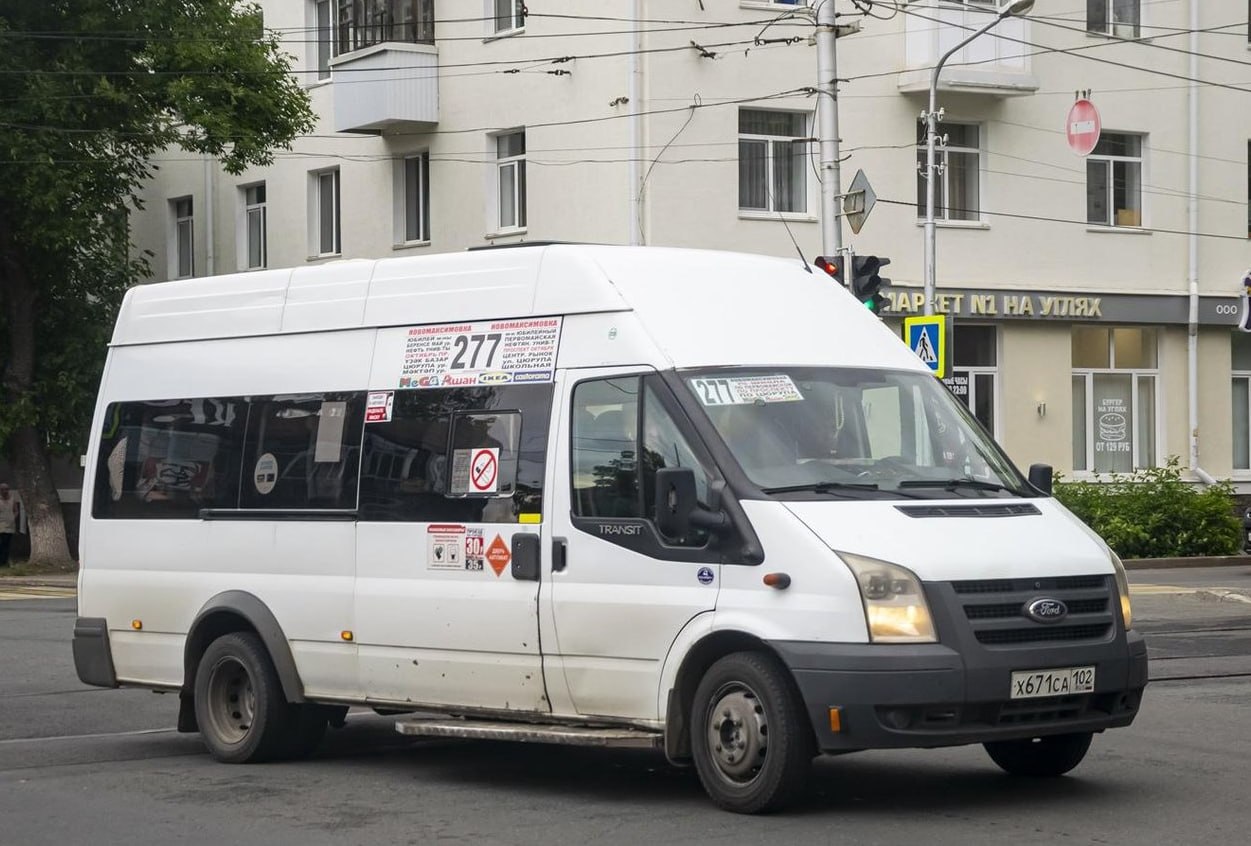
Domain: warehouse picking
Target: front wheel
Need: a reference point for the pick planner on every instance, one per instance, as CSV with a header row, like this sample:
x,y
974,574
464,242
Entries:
x,y
750,738
1040,757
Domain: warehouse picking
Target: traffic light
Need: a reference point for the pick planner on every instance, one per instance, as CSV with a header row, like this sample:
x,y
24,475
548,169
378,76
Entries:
x,y
833,265
867,284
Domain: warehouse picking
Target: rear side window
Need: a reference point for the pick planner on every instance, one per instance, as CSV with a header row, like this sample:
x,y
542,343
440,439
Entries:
x,y
170,458
465,455
303,452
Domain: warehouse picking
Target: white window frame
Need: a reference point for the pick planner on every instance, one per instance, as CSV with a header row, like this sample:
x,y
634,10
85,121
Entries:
x,y
323,39
492,18
243,229
1112,27
942,153
181,225
771,212
317,183
1236,376
1141,161
402,206
1136,375
498,167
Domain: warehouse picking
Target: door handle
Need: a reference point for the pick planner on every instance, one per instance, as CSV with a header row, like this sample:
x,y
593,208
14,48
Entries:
x,y
560,552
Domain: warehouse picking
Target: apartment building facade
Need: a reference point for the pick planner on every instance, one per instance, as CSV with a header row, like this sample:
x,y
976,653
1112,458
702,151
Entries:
x,y
447,125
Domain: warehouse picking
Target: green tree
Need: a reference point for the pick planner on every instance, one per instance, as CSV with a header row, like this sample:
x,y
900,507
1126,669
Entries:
x,y
90,91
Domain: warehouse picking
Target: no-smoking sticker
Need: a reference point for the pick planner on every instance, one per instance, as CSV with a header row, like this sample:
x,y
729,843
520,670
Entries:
x,y
484,470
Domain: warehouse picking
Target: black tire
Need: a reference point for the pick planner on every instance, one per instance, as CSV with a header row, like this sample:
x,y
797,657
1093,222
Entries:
x,y
1040,757
239,705
750,737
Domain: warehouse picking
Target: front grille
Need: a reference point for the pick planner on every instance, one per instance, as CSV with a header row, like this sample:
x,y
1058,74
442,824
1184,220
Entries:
x,y
995,609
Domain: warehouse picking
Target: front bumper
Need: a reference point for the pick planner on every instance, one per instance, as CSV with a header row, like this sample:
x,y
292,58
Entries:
x,y
929,695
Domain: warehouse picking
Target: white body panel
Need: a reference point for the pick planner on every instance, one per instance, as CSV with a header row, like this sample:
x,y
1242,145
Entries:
x,y
604,637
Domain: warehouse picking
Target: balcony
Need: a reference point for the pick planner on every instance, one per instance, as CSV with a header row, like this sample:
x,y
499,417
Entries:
x,y
386,66
996,64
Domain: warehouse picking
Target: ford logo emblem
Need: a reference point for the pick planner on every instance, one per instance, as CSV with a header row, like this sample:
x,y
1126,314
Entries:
x,y
1046,610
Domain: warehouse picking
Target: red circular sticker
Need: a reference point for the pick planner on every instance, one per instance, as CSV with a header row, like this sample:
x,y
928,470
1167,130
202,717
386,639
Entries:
x,y
483,470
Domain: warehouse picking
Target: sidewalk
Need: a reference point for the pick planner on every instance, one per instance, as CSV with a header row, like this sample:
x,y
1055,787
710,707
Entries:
x,y
68,580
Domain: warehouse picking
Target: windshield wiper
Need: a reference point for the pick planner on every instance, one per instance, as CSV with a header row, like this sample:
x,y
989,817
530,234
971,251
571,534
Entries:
x,y
823,487
958,482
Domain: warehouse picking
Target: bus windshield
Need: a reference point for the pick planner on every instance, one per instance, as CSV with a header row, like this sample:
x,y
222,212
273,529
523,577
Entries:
x,y
853,432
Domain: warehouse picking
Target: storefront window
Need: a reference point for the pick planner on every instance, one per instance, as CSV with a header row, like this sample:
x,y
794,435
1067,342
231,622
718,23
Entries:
x,y
1114,399
974,373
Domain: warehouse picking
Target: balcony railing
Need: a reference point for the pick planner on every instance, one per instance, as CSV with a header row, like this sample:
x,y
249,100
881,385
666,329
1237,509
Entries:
x,y
997,63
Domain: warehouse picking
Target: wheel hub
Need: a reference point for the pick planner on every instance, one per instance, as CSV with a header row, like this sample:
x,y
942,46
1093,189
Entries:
x,y
232,701
737,732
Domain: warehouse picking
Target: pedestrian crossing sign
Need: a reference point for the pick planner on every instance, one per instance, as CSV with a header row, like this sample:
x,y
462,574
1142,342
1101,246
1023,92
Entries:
x,y
927,337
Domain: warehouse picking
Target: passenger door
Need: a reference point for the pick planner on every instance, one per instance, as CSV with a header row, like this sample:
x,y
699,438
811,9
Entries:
x,y
620,592
451,495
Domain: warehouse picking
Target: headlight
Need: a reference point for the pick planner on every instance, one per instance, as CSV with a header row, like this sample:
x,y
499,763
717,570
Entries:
x,y
894,604
1122,587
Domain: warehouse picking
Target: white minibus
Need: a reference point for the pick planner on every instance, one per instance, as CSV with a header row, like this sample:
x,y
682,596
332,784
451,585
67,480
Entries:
x,y
695,501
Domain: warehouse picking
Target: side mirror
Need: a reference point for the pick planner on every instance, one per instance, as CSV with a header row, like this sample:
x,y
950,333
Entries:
x,y
1040,477
677,505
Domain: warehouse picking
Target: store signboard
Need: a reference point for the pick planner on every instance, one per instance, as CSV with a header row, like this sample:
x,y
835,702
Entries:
x,y
1064,307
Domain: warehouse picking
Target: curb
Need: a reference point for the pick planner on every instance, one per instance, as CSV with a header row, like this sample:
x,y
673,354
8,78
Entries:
x,y
1181,563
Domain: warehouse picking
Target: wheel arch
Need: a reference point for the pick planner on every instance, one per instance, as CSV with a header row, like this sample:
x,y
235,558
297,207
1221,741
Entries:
x,y
702,654
236,611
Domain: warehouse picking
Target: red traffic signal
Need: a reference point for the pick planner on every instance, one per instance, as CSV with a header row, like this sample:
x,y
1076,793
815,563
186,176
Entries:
x,y
833,265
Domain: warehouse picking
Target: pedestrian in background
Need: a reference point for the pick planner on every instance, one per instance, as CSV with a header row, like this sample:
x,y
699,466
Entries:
x,y
10,520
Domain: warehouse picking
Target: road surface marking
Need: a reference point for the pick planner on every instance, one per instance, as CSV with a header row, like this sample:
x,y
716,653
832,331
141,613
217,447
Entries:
x,y
35,592
1159,590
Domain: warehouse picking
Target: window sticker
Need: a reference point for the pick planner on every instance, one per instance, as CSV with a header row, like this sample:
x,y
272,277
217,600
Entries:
x,y
489,352
265,476
379,407
745,390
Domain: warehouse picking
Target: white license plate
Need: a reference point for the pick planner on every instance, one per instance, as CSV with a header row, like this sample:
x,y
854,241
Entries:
x,y
1030,684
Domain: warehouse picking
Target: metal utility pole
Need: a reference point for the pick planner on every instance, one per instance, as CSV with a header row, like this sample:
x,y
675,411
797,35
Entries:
x,y
827,130
1018,7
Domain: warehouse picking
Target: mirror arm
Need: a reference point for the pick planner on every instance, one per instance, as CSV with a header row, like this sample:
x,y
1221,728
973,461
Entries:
x,y
713,521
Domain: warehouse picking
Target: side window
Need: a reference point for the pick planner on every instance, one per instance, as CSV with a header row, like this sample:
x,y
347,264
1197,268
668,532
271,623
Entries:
x,y
169,459
303,452
615,459
468,455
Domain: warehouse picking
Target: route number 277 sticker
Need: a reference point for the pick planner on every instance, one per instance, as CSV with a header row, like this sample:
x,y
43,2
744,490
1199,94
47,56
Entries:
x,y
745,390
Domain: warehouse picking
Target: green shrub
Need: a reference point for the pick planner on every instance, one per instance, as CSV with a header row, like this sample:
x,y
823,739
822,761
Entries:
x,y
1154,514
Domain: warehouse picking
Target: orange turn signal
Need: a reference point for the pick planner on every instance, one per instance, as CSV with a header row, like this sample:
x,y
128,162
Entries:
x,y
836,720
781,581
345,634
136,624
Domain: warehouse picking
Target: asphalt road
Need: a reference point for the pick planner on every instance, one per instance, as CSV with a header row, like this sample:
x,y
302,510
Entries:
x,y
81,765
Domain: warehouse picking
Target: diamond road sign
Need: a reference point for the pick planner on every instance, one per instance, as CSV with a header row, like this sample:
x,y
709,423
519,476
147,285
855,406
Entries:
x,y
858,201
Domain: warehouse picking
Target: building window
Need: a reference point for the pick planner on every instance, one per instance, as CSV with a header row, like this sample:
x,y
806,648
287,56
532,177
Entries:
x,y
1249,189
416,192
1240,366
364,23
324,39
183,263
508,15
326,212
958,189
974,374
255,226
772,161
1120,18
1115,375
510,164
1114,181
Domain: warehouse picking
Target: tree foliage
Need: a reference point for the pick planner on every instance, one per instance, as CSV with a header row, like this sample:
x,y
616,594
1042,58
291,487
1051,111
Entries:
x,y
1154,514
90,91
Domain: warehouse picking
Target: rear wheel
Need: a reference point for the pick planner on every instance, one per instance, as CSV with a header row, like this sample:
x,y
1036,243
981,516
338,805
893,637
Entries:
x,y
1040,757
750,738
239,705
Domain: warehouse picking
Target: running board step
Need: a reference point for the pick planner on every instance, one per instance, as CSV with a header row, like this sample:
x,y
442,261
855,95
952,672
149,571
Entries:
x,y
531,733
